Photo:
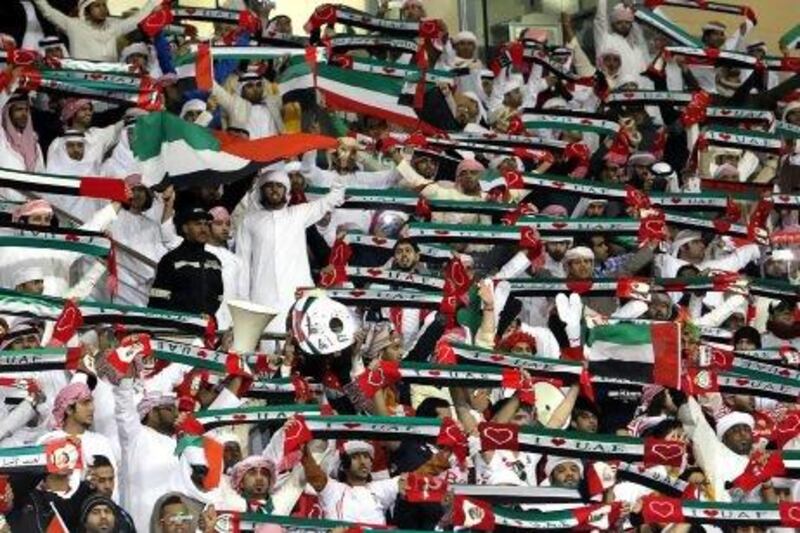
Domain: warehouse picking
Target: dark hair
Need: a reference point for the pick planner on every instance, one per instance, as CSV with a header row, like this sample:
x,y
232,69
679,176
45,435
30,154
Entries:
x,y
100,460
427,408
750,333
682,270
171,500
663,428
584,404
405,240
657,404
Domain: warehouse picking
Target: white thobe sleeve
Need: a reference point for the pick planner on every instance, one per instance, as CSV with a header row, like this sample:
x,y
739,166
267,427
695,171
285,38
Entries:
x,y
600,24
736,260
310,212
709,452
125,413
17,418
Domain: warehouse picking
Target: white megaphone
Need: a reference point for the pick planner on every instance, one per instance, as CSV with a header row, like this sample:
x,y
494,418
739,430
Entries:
x,y
249,321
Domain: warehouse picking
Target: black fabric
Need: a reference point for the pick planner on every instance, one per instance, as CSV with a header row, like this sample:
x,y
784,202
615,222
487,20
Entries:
x,y
193,278
14,22
35,513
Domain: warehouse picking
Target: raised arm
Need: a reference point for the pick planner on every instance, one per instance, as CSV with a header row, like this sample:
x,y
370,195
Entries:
x,y
315,476
128,24
55,16
600,23
125,413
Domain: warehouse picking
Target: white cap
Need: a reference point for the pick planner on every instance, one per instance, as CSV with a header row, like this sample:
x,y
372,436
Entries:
x,y
356,446
733,418
683,237
553,462
195,104
26,274
465,36
581,252
134,48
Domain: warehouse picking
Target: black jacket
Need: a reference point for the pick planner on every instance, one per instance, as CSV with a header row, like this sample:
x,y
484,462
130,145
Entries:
x,y
34,512
188,279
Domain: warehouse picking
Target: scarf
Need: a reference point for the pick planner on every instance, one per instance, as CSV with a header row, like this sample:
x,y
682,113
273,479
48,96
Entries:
x,y
25,142
95,313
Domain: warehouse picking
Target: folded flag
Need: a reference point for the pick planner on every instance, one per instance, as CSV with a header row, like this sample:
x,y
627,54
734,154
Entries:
x,y
176,152
85,186
646,352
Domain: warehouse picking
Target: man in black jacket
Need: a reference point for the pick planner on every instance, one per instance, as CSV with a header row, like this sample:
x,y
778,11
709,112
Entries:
x,y
189,278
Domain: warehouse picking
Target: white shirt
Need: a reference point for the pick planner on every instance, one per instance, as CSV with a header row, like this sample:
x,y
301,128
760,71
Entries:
x,y
235,282
273,246
364,504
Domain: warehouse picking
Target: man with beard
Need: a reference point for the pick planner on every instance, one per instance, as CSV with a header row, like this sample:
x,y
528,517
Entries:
x,y
100,514
147,438
73,415
355,497
77,115
722,452
406,321
466,187
783,329
252,109
253,479
271,241
623,35
563,472
19,146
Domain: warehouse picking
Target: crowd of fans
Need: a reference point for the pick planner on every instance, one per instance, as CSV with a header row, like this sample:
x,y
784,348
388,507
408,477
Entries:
x,y
125,428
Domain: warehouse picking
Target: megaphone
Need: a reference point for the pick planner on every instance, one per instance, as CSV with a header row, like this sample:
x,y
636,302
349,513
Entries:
x,y
249,321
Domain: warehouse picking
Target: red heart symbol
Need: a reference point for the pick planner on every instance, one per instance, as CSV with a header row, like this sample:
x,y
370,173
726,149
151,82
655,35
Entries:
x,y
379,240
202,354
675,200
558,441
668,451
239,416
496,357
785,372
388,70
499,436
434,373
628,95
374,272
559,184
352,425
559,225
441,232
190,11
661,509
292,429
742,381
783,198
358,293
710,512
586,121
724,136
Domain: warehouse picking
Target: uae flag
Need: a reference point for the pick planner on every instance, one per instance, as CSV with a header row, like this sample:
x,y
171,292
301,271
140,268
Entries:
x,y
649,353
175,152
